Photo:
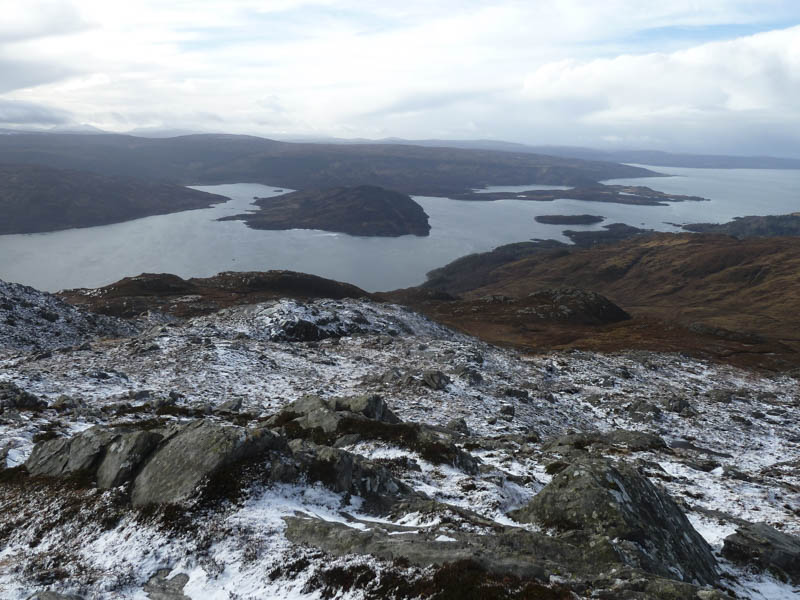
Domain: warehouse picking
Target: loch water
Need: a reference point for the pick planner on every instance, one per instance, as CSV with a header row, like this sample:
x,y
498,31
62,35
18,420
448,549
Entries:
x,y
195,244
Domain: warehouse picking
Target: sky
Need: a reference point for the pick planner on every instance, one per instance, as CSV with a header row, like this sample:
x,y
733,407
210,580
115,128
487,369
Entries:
x,y
713,76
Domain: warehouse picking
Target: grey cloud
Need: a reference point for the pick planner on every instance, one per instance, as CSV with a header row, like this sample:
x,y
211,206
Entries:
x,y
44,18
18,74
13,112
428,101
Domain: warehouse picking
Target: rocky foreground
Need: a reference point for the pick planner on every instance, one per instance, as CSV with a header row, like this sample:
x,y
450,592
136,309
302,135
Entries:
x,y
352,449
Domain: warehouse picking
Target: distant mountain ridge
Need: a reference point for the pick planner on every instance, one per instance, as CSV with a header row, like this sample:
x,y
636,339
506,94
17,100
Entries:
x,y
223,158
657,158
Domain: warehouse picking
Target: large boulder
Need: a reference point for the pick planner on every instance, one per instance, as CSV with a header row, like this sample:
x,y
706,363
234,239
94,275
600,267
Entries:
x,y
596,499
765,547
175,470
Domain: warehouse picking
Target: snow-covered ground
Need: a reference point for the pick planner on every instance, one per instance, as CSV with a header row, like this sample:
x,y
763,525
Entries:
x,y
746,423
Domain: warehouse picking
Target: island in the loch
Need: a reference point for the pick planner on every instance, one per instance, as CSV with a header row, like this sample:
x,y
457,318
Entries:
x,y
619,194
36,199
364,210
569,219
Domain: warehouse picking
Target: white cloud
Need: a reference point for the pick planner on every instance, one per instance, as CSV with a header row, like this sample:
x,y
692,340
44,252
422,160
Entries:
x,y
525,70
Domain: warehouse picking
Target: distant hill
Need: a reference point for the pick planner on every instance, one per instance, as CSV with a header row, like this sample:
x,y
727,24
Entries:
x,y
363,210
754,226
642,157
217,158
36,199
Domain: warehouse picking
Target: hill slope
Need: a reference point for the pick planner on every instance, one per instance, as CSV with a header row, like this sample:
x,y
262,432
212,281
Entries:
x,y
713,295
35,199
355,450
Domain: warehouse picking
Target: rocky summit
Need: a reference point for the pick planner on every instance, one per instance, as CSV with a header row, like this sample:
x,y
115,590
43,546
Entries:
x,y
312,447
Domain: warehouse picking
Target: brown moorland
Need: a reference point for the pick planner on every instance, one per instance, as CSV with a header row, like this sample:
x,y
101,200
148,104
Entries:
x,y
712,296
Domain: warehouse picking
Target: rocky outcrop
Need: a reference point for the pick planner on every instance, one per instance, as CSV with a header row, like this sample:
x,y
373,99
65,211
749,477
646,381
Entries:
x,y
31,320
570,305
350,474
12,397
506,552
766,548
123,457
333,423
596,499
198,450
364,210
618,440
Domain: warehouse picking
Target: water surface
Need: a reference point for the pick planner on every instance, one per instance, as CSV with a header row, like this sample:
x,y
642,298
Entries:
x,y
195,244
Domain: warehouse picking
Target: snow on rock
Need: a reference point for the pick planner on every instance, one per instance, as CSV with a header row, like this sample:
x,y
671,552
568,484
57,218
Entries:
x,y
34,320
734,450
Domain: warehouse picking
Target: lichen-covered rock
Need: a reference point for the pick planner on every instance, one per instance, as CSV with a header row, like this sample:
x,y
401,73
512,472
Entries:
x,y
596,497
765,547
48,595
176,469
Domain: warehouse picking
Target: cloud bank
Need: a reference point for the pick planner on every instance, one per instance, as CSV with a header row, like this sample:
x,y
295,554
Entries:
x,y
675,76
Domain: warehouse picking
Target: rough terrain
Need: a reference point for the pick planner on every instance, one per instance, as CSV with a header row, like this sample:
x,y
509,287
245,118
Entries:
x,y
713,296
344,448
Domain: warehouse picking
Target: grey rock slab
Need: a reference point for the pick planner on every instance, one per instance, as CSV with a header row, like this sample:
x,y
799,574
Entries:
x,y
124,456
765,547
371,406
436,380
62,456
48,595
175,470
349,473
161,588
596,497
524,554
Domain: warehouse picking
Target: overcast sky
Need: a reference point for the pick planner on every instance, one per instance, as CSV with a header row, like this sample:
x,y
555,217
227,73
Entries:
x,y
687,75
